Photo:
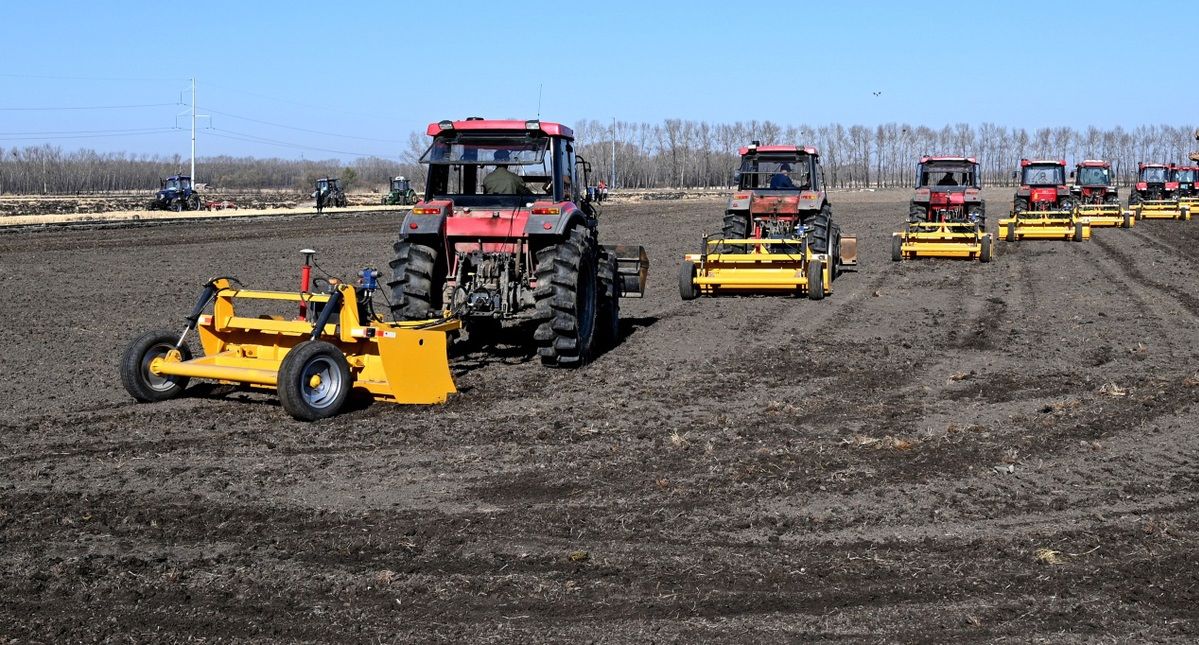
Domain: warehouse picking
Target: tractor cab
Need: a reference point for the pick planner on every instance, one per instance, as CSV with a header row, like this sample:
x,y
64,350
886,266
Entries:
x,y
400,185
1042,186
175,183
1093,174
1187,178
326,185
480,163
1095,185
781,168
1154,182
947,189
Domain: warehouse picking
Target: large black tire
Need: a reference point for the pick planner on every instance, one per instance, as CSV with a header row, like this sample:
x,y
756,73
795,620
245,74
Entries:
x,y
177,205
607,332
917,213
816,280
896,248
142,385
687,288
1020,205
736,226
821,227
193,203
307,398
566,300
417,278
984,255
1134,198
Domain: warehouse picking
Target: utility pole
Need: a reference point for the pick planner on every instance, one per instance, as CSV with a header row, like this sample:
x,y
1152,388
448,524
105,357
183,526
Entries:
x,y
194,116
612,179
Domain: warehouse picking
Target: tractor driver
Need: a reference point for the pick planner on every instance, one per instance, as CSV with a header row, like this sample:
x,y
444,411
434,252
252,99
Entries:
x,y
781,180
947,180
502,181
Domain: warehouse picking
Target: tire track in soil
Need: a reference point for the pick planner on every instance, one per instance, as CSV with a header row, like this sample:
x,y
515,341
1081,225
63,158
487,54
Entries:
x,y
1127,265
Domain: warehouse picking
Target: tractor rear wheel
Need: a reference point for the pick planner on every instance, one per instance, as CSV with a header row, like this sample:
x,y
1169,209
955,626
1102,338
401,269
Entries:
x,y
193,203
815,280
142,384
736,227
608,308
1020,205
820,225
314,380
417,280
566,300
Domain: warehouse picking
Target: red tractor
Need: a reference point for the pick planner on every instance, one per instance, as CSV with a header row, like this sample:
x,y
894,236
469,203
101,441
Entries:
x,y
1153,184
780,190
1094,184
1187,178
1042,187
520,242
948,189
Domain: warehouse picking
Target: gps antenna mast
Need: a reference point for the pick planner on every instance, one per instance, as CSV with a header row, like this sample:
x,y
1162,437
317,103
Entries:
x,y
539,86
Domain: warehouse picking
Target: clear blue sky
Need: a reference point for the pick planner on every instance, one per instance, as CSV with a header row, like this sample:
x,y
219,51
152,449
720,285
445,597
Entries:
x,y
368,73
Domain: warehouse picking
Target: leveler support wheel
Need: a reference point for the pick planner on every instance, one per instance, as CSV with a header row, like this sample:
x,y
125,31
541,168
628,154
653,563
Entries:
x,y
607,310
143,385
1127,221
1011,231
1077,232
816,280
314,380
896,248
984,254
687,288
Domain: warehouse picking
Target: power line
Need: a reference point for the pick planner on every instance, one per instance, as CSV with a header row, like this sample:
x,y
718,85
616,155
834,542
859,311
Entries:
x,y
307,105
288,127
84,107
129,133
92,78
249,138
58,132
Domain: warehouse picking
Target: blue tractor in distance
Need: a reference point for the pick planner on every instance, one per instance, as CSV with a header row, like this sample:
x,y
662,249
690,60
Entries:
x,y
176,193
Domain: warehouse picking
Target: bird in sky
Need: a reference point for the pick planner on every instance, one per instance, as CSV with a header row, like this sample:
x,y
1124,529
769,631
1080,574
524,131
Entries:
x,y
878,93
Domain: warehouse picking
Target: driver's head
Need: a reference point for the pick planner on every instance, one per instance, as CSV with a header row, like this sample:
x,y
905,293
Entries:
x,y
785,168
502,155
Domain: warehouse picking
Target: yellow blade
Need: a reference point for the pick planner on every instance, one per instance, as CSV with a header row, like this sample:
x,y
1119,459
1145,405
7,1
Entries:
x,y
416,365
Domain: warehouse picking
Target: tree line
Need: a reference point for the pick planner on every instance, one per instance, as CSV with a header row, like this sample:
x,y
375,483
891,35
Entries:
x,y
675,153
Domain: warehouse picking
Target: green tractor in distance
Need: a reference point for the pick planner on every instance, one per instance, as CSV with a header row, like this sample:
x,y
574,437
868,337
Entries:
x,y
401,193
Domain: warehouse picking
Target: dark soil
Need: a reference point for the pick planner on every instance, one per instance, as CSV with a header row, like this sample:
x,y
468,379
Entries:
x,y
884,465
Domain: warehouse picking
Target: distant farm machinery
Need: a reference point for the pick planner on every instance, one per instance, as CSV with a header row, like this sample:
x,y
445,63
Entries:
x,y
947,214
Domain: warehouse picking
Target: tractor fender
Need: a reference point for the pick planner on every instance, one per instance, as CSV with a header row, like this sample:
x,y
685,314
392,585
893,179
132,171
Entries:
x,y
554,225
739,202
422,224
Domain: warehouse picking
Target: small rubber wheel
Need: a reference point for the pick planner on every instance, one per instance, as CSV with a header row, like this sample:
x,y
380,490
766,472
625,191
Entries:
x,y
1078,231
816,280
1127,221
896,248
984,254
314,380
1011,231
142,384
687,287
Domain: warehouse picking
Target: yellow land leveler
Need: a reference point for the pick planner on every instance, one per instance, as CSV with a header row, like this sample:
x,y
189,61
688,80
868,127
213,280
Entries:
x,y
1045,225
1105,215
1161,209
337,344
764,265
941,240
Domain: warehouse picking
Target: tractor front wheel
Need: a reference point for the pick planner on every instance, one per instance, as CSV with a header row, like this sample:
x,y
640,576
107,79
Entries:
x,y
142,384
566,300
314,380
417,280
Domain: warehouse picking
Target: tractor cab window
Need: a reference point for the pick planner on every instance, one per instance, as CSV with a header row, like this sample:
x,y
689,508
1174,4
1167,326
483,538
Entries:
x,y
775,173
1094,176
946,176
1185,176
175,183
1043,176
460,165
1153,175
399,184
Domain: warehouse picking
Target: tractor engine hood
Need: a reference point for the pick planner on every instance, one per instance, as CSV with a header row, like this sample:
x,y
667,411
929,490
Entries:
x,y
1044,194
947,196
